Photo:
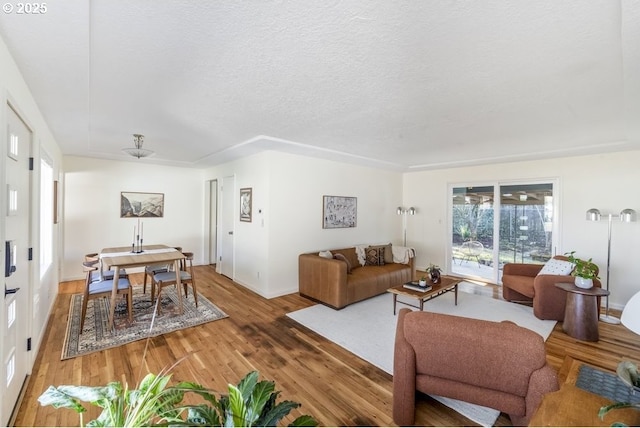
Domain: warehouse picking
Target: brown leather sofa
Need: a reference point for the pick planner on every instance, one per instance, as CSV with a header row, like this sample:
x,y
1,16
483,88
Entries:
x,y
521,283
327,281
494,364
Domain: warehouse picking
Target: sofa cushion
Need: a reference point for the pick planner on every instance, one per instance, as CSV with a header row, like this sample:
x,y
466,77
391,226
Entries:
x,y
350,254
374,256
339,256
388,252
556,267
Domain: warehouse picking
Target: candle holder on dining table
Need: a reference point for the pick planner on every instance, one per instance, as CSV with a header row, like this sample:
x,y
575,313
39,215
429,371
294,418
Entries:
x,y
136,247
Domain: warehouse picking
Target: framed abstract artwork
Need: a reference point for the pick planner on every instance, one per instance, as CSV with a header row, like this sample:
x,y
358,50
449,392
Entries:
x,y
245,204
339,212
138,204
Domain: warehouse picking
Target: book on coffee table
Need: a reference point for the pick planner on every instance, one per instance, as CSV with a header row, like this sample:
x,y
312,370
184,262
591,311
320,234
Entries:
x,y
414,285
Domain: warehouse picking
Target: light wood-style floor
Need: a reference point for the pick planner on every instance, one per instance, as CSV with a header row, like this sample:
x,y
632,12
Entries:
x,y
333,385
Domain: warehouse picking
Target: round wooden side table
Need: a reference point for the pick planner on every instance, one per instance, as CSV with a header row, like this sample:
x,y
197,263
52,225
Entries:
x,y
581,311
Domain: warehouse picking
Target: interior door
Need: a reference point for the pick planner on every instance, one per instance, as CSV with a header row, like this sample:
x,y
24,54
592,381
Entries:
x,y
226,258
14,323
213,222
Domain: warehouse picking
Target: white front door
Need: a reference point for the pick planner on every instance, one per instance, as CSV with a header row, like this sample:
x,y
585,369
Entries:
x,y
227,209
15,321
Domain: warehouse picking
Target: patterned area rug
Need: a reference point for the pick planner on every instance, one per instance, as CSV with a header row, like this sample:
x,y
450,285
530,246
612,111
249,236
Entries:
x,y
96,335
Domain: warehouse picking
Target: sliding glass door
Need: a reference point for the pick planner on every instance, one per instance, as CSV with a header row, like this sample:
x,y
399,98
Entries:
x,y
500,223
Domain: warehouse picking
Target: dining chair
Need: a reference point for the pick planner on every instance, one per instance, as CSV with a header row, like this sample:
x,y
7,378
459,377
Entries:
x,y
103,288
151,270
106,274
187,277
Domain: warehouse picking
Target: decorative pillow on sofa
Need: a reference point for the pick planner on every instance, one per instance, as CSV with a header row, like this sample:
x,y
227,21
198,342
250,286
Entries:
x,y
556,267
388,252
374,256
339,256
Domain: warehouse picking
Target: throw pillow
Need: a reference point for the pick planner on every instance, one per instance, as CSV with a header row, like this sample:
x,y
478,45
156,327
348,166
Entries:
x,y
374,256
556,267
388,252
339,256
326,254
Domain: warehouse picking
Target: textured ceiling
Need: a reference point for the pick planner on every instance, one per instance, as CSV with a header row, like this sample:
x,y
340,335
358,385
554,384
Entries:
x,y
403,85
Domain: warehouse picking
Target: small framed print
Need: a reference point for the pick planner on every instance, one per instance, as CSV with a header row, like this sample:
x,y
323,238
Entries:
x,y
245,204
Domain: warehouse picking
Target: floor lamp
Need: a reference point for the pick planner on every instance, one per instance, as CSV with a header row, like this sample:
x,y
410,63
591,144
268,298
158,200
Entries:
x,y
403,212
625,216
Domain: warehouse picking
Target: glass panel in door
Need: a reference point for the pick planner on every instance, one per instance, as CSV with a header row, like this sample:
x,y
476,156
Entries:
x,y
472,233
526,223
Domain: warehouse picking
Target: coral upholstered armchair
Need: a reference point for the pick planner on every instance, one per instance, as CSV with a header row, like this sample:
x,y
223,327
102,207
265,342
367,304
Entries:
x,y
524,282
494,364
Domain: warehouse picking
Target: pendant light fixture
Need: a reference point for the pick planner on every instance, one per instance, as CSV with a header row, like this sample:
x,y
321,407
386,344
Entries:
x,y
138,151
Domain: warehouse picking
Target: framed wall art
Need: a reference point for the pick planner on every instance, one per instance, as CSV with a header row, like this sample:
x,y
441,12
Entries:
x,y
138,204
339,212
245,204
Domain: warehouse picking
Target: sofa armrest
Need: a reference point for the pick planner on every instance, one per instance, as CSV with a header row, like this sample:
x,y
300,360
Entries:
x,y
323,279
541,382
404,376
523,269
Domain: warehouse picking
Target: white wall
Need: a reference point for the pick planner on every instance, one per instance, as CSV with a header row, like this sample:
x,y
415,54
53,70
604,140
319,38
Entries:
x,y
288,189
92,208
608,182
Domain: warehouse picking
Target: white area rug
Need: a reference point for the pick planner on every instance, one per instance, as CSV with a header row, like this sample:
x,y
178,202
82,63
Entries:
x,y
368,330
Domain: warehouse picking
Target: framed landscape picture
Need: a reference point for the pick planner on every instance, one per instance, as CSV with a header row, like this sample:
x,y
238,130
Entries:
x,y
245,204
339,212
138,204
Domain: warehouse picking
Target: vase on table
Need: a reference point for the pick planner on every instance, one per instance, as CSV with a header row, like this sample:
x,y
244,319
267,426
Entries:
x,y
434,275
583,282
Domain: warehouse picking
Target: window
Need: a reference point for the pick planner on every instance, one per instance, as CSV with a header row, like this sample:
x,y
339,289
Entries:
x,y
46,215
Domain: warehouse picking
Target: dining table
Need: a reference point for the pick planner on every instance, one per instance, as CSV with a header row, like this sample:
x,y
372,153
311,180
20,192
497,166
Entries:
x,y
117,258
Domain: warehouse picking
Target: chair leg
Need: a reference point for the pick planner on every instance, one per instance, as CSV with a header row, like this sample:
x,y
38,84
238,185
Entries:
x,y
85,297
144,283
195,292
130,304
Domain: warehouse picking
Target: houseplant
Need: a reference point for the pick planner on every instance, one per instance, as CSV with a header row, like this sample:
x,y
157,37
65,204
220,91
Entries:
x,y
155,402
585,271
434,273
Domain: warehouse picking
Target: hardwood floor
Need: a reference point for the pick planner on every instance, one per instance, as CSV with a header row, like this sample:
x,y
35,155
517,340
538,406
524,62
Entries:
x,y
333,385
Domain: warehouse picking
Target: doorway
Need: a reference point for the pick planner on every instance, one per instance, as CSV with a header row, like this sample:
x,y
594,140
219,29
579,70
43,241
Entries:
x,y
213,222
227,204
500,223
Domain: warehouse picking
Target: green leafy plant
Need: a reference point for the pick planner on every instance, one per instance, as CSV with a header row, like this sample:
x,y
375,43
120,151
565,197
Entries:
x,y
433,267
155,402
583,268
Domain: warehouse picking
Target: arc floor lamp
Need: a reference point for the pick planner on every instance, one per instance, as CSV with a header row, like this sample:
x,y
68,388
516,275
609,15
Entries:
x,y
626,216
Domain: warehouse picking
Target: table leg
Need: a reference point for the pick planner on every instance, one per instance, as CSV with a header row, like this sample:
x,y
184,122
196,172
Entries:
x,y
455,292
421,304
176,265
395,300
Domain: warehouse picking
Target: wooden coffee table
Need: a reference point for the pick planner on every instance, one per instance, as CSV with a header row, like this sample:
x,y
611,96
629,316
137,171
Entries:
x,y
447,283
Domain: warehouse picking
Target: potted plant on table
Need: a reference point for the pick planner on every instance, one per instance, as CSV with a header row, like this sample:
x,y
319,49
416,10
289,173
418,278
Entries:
x,y
434,272
585,271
